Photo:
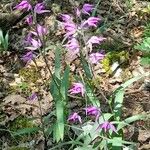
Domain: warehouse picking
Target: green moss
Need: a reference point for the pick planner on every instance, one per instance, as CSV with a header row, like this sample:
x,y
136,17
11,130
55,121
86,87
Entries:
x,y
30,75
111,57
20,123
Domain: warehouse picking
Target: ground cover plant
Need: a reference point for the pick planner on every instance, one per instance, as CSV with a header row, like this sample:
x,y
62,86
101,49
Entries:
x,y
69,79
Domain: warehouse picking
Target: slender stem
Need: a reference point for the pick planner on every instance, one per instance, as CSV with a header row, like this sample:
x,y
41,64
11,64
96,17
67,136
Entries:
x,y
43,127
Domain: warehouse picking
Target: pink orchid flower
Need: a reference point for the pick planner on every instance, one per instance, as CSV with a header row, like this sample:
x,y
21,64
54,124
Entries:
x,y
28,56
74,117
23,5
94,40
66,18
70,28
93,111
106,126
73,45
77,88
40,8
87,8
35,44
91,22
29,20
94,58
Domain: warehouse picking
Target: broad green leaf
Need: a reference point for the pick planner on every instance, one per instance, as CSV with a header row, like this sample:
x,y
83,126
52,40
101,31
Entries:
x,y
144,46
57,63
119,95
129,120
145,60
60,119
65,84
117,143
26,131
6,41
118,103
1,36
130,81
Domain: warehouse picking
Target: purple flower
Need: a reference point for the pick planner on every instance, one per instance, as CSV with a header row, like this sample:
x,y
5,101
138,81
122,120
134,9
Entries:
x,y
66,18
33,97
74,117
35,44
94,40
29,20
77,88
70,28
40,31
23,5
91,22
73,45
92,110
39,8
87,8
107,126
78,12
94,58
28,56
28,39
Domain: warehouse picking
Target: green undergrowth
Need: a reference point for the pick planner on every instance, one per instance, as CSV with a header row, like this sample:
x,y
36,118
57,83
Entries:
x,y
30,75
21,123
121,57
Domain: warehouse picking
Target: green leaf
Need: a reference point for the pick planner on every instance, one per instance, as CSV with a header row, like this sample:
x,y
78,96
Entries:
x,y
144,46
26,131
117,143
118,103
65,84
60,120
119,95
145,60
6,41
57,63
129,120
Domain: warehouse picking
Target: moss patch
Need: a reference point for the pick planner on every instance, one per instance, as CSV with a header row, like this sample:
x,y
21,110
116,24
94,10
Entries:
x,y
30,75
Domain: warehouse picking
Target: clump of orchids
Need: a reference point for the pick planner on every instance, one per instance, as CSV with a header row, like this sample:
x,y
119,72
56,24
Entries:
x,y
73,33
